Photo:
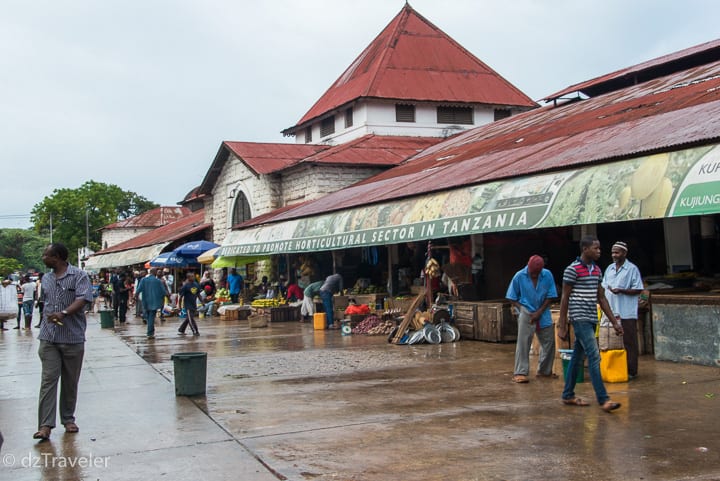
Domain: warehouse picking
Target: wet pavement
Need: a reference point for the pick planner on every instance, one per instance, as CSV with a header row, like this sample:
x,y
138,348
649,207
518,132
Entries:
x,y
288,402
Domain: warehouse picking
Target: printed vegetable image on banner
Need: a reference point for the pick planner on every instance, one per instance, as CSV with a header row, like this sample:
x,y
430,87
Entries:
x,y
685,182
699,192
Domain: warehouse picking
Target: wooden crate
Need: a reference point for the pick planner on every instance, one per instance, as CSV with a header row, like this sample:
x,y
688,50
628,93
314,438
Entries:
x,y
495,322
465,314
371,300
285,314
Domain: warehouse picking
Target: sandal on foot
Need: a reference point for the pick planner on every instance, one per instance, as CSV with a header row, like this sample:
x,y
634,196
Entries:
x,y
552,375
71,428
43,433
520,379
575,401
610,406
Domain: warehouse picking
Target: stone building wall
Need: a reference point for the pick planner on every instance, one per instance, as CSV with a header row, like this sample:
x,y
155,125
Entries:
x,y
266,193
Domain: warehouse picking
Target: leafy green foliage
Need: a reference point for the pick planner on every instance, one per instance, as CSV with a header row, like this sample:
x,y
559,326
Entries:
x,y
24,247
67,209
8,266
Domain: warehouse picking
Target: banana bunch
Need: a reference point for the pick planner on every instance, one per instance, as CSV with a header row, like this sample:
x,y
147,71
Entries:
x,y
432,268
265,303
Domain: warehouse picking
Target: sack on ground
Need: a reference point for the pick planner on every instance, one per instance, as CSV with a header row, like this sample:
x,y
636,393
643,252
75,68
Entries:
x,y
608,339
613,365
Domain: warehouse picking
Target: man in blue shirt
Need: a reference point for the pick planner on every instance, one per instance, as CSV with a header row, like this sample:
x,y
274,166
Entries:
x,y
153,297
531,291
623,285
235,285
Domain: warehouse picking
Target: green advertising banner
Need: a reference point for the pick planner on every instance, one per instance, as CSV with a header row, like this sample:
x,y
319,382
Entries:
x,y
680,183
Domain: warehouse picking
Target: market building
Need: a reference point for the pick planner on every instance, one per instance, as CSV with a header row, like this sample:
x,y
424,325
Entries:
x,y
409,89
632,155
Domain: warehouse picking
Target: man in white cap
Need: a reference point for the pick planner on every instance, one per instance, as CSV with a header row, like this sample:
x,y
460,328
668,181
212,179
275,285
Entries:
x,y
623,285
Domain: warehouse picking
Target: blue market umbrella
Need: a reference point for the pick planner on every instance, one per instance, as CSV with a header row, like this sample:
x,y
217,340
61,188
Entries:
x,y
171,259
194,249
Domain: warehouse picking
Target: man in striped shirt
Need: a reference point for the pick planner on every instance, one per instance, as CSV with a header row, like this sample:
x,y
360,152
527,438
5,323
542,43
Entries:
x,y
582,291
66,292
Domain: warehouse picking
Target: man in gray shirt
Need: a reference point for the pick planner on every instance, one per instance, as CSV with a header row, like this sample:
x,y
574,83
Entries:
x,y
66,292
333,284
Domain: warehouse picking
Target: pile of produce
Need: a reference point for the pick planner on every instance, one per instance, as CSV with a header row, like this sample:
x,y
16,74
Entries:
x,y
265,303
374,326
432,268
222,296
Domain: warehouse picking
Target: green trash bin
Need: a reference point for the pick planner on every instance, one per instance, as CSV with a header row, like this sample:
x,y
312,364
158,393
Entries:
x,y
106,319
565,356
190,373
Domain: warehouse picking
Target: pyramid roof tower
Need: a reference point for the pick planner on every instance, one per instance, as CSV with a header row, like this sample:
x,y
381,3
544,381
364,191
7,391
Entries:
x,y
413,60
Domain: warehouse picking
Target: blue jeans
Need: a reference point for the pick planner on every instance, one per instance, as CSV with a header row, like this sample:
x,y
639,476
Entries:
x,y
327,299
585,345
150,318
28,309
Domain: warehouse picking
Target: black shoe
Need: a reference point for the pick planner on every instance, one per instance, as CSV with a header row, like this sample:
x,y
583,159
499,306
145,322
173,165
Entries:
x,y
196,333
36,325
17,327
182,333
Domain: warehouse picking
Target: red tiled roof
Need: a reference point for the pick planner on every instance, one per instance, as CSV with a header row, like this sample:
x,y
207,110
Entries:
x,y
662,114
153,218
412,59
191,223
689,57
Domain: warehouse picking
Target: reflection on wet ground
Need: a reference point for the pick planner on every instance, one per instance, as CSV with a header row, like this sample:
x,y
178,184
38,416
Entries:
x,y
288,402
319,405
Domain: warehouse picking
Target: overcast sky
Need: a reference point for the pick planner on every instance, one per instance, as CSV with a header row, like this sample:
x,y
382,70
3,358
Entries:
x,y
140,93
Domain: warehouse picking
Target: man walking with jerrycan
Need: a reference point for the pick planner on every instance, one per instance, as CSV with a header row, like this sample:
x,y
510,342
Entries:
x,y
581,293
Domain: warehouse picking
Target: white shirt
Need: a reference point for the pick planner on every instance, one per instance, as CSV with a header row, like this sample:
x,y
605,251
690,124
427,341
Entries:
x,y
28,289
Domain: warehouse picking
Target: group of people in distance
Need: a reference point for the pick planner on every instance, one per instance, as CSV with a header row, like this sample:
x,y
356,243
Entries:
x,y
584,287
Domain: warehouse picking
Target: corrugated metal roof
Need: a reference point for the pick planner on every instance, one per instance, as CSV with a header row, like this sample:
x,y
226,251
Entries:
x,y
153,218
191,223
412,59
689,57
663,114
373,150
266,158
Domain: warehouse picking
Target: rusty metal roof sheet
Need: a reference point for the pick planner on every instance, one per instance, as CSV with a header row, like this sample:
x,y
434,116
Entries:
x,y
153,218
662,114
373,150
683,59
266,158
412,59
191,223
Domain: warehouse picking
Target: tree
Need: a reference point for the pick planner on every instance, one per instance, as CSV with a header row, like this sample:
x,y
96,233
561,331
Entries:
x,y
73,213
8,266
24,246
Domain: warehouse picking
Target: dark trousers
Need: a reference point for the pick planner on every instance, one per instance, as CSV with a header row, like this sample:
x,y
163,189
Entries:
x,y
116,304
189,319
122,308
630,340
